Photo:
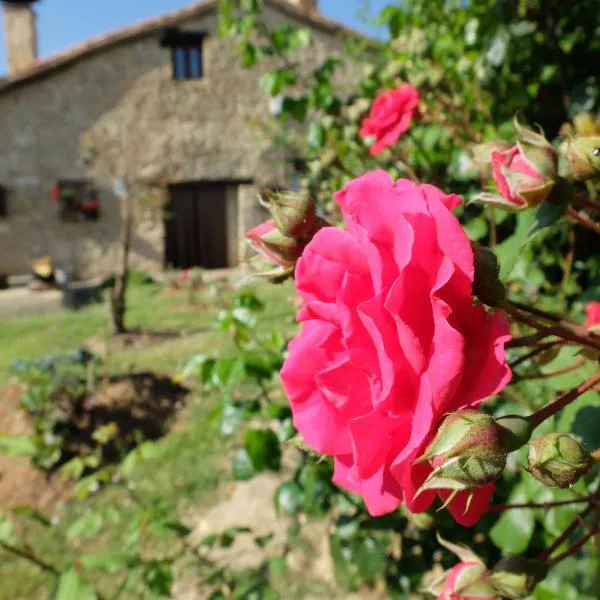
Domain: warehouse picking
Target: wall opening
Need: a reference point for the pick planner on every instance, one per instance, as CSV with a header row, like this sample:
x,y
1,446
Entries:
x,y
200,221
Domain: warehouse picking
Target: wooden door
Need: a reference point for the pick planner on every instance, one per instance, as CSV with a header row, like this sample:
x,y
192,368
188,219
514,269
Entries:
x,y
196,231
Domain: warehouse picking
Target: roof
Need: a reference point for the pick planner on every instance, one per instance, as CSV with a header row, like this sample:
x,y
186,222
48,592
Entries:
x,y
104,42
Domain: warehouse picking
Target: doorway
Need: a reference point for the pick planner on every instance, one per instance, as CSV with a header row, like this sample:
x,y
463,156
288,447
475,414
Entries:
x,y
200,225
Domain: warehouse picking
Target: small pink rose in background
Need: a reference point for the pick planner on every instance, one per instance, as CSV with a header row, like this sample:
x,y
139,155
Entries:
x,y
592,314
519,182
390,116
391,342
463,576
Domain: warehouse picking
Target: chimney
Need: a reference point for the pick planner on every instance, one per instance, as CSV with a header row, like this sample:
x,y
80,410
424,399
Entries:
x,y
20,33
307,6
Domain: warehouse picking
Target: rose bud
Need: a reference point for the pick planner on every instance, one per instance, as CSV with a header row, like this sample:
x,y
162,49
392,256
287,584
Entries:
x,y
482,155
586,124
272,244
467,581
583,157
524,174
557,460
516,577
293,213
466,453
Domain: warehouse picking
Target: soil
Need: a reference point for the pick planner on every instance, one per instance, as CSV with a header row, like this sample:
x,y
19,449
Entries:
x,y
143,402
141,405
20,482
250,504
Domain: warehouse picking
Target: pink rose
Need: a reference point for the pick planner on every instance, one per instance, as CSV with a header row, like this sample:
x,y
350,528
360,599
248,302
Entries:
x,y
391,341
463,576
592,313
519,181
390,116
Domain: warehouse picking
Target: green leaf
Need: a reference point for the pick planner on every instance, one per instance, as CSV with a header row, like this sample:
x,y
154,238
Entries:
x,y
369,555
18,445
243,469
32,513
296,108
71,586
513,530
509,251
315,136
86,527
111,561
263,449
158,578
546,215
289,498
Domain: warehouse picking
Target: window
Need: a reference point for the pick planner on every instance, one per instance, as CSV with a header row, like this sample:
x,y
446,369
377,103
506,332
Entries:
x,y
186,52
3,202
77,200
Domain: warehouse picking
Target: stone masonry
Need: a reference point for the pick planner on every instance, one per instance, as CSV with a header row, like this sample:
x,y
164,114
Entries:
x,y
118,113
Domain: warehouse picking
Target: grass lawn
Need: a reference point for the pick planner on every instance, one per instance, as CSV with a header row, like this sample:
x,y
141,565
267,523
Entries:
x,y
150,307
194,464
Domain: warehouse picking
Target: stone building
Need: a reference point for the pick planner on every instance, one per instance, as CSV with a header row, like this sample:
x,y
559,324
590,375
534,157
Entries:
x,y
163,105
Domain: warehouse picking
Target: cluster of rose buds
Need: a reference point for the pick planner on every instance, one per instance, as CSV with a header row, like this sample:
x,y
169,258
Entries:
x,y
470,450
293,223
527,173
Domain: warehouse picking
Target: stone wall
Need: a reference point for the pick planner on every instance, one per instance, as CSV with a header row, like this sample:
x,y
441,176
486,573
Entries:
x,y
119,113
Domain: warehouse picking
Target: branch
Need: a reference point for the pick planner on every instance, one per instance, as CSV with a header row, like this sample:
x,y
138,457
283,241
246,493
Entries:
x,y
32,558
533,353
583,219
503,507
578,363
563,329
541,415
578,545
587,204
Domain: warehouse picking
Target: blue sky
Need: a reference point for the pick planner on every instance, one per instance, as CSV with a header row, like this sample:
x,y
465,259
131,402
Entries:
x,y
62,23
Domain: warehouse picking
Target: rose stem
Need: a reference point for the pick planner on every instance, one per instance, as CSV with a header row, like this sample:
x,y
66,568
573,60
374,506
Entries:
x,y
538,312
502,507
578,545
566,533
563,329
588,204
580,361
544,413
582,219
533,353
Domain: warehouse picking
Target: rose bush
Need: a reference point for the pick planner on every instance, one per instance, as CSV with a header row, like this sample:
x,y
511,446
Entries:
x,y
391,115
391,341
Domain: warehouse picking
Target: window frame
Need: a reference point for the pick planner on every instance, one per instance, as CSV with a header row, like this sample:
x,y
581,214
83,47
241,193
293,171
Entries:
x,y
187,53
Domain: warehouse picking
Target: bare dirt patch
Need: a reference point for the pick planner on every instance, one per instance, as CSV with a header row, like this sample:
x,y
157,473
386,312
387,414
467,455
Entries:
x,y
142,405
20,482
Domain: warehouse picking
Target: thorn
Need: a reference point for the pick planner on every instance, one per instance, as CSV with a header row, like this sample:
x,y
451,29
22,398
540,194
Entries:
x,y
468,503
448,500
